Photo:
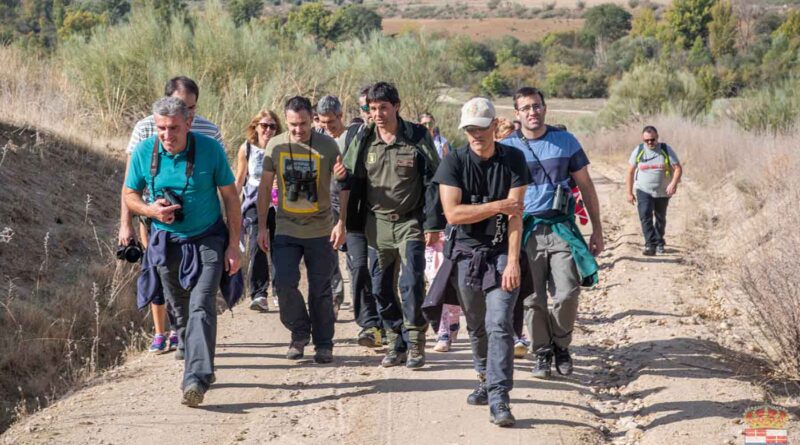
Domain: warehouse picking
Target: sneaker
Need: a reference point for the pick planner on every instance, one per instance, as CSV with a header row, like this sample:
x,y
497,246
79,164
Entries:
x,y
173,340
416,356
521,346
179,354
295,351
563,360
649,251
259,304
544,357
323,355
393,358
500,414
193,395
443,343
480,396
660,249
159,345
370,338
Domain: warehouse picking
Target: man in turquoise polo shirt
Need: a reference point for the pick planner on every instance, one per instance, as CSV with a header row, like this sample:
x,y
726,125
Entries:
x,y
187,251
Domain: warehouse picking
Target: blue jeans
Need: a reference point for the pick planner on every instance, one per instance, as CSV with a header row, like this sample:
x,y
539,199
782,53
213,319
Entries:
x,y
490,325
195,309
316,322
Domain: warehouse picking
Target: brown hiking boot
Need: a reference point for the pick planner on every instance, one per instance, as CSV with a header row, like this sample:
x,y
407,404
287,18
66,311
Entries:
x,y
416,356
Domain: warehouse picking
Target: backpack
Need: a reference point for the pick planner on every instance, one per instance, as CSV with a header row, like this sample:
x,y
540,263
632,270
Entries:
x,y
662,148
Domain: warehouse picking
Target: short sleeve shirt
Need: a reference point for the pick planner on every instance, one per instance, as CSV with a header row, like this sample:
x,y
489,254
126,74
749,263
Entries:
x,y
147,127
478,179
551,160
302,216
651,169
394,174
201,207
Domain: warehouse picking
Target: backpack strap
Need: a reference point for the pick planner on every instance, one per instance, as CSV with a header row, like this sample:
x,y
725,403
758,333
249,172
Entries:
x,y
249,149
662,147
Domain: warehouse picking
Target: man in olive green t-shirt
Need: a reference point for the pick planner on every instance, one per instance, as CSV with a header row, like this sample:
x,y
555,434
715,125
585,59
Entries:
x,y
304,228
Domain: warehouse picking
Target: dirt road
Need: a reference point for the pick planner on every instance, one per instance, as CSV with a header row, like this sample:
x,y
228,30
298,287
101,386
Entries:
x,y
647,371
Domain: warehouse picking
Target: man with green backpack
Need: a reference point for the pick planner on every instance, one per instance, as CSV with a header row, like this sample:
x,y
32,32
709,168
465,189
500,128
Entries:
x,y
654,172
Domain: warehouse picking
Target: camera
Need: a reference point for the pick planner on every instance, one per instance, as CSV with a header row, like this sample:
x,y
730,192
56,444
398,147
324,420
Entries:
x,y
173,199
298,182
131,253
561,200
487,227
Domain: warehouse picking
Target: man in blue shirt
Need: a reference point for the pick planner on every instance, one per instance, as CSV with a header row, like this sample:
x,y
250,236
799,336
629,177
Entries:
x,y
187,247
553,157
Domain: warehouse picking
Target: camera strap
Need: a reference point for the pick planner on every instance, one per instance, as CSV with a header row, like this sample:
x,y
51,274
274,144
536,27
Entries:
x,y
528,145
155,162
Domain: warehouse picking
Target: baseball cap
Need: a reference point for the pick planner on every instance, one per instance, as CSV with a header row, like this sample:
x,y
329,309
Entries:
x,y
477,111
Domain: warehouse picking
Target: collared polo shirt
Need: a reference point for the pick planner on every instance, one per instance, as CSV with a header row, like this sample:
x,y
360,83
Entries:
x,y
201,207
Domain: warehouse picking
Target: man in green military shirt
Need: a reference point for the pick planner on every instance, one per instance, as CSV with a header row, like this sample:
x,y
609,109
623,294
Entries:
x,y
390,166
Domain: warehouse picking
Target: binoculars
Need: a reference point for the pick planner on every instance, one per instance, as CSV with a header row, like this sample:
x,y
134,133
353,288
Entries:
x,y
298,182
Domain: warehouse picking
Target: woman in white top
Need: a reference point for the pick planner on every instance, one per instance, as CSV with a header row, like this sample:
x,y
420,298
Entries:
x,y
250,160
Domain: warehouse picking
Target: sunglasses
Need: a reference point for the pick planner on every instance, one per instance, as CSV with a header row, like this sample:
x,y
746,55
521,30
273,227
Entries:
x,y
364,108
651,141
268,126
428,124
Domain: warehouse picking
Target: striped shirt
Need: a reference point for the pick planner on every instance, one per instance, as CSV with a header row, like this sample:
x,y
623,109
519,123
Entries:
x,y
551,160
147,127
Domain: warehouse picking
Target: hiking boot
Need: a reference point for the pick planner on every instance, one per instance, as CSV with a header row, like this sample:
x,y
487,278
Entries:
x,y
480,396
323,355
159,345
259,304
443,343
544,357
649,251
521,345
416,356
193,395
173,340
393,358
213,379
500,414
384,337
295,351
369,338
179,354
563,360
660,249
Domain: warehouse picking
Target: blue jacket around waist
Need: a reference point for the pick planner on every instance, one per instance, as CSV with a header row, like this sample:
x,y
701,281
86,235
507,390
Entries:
x,y
149,282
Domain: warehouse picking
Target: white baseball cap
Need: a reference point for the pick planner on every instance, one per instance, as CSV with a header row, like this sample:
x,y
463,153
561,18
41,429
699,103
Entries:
x,y
477,111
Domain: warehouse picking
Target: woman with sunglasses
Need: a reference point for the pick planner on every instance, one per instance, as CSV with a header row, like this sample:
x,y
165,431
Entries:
x,y
262,127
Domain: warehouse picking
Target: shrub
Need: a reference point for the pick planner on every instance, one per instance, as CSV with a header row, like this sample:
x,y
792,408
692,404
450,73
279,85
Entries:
x,y
573,82
607,22
773,109
494,84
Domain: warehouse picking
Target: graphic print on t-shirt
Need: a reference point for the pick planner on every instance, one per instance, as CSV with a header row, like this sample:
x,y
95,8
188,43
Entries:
x,y
300,163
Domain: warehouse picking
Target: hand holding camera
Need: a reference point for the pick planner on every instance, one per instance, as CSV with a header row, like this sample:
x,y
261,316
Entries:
x,y
165,211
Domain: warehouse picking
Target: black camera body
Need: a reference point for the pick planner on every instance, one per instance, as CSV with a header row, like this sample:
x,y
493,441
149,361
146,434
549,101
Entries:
x,y
131,253
173,199
301,182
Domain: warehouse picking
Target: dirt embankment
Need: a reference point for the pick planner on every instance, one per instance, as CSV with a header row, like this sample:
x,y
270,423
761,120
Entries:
x,y
648,370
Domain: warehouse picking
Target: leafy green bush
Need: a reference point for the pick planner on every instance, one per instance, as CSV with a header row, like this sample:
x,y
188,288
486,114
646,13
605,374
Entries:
x,y
573,82
774,109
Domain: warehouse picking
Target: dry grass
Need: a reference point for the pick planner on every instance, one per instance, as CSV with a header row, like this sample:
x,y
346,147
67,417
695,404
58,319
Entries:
x,y
527,30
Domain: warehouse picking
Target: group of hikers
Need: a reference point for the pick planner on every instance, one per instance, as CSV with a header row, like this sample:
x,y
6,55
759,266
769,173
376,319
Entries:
x,y
430,232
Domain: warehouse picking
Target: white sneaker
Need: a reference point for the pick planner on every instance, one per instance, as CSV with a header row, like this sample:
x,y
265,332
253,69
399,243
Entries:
x,y
443,345
259,304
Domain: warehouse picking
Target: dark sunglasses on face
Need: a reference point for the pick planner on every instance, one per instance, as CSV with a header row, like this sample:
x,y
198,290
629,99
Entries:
x,y
651,140
474,128
267,126
428,124
364,108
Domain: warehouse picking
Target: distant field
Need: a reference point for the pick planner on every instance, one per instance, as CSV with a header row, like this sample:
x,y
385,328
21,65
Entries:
x,y
490,28
571,4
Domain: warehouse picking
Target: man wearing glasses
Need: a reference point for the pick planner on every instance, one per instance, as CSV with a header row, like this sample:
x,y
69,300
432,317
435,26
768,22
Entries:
x,y
558,256
655,173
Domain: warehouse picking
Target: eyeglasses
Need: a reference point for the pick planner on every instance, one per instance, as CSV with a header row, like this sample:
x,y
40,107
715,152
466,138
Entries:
x,y
268,126
651,140
474,128
536,108
428,124
364,108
